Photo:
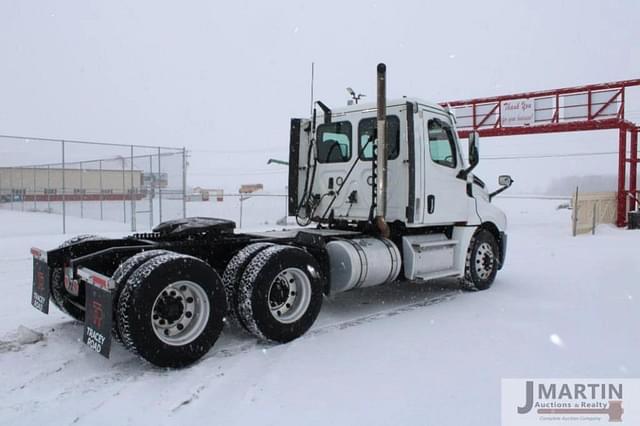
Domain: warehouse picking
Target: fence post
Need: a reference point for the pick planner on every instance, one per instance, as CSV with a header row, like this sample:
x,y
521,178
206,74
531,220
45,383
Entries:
x,y
124,195
133,203
81,192
241,201
35,207
184,182
593,224
11,170
151,192
575,214
49,188
64,197
159,189
101,191
22,190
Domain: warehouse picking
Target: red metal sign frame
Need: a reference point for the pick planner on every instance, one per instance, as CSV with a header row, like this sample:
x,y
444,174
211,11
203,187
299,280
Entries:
x,y
581,108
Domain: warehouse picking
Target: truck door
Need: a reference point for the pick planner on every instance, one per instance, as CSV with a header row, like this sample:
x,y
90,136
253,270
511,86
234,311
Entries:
x,y
445,195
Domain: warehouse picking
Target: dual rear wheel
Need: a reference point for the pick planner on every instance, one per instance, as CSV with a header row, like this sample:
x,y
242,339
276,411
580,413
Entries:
x,y
279,294
169,307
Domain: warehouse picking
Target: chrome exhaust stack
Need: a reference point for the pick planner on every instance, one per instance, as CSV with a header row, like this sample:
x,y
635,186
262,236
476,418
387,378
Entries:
x,y
382,153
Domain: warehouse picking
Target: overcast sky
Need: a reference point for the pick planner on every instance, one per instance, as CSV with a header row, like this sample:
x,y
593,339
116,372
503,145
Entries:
x,y
224,78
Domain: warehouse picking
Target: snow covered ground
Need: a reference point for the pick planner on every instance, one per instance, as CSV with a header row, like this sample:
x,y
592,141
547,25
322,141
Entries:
x,y
400,354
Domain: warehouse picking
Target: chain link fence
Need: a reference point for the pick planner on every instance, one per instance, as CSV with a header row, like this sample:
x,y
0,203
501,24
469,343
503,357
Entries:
x,y
252,211
136,185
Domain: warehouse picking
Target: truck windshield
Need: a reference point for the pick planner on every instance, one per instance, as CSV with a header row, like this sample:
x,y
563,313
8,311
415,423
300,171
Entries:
x,y
334,142
366,129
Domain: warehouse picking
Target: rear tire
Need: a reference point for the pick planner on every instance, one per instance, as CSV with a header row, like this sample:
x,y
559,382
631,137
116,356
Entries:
x,y
170,310
280,294
122,274
233,274
481,265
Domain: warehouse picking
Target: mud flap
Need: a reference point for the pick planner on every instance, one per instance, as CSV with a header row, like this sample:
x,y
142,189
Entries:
x,y
98,319
41,279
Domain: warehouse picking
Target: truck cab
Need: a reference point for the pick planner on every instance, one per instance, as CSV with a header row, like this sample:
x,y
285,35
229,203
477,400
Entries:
x,y
331,167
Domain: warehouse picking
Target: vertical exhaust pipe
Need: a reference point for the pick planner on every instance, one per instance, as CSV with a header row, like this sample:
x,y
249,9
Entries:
x,y
382,153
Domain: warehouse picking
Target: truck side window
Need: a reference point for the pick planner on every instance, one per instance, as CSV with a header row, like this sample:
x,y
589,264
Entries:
x,y
366,130
442,146
334,142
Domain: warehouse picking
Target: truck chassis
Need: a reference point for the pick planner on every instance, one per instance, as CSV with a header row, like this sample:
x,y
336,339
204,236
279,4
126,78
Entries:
x,y
148,289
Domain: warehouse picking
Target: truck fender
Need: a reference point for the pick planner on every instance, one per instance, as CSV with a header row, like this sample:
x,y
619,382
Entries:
x,y
463,235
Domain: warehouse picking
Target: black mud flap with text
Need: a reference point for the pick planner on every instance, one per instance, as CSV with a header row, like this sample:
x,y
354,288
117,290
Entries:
x,y
98,319
40,291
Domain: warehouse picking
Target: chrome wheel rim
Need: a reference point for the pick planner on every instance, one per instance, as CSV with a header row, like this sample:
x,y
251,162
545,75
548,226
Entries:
x,y
485,261
289,295
180,313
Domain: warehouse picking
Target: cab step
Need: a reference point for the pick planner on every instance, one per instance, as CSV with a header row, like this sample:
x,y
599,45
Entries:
x,y
428,256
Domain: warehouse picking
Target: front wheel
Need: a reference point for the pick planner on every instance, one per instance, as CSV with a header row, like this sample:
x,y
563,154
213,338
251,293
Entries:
x,y
280,293
481,265
170,310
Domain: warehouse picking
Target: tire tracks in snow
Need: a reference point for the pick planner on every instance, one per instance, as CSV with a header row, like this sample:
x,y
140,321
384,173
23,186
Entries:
x,y
254,344
445,297
231,351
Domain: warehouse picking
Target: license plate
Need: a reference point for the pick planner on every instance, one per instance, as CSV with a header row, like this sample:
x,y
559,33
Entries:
x,y
40,290
98,319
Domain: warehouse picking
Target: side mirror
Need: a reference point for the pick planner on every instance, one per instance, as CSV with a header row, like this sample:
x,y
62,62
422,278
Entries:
x,y
474,155
474,149
505,180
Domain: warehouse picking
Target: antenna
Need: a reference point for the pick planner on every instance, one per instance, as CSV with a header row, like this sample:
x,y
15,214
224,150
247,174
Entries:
x,y
311,100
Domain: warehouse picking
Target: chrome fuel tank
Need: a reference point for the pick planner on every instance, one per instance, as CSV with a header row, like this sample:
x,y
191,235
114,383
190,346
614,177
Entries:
x,y
362,262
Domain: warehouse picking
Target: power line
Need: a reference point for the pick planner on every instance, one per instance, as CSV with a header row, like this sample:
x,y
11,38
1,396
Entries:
x,y
577,154
241,151
505,157
239,173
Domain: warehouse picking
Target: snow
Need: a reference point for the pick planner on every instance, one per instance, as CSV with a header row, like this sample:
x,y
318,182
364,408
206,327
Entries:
x,y
26,336
404,353
23,336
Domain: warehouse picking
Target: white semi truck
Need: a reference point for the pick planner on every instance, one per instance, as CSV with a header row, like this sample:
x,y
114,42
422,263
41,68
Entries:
x,y
389,196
